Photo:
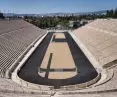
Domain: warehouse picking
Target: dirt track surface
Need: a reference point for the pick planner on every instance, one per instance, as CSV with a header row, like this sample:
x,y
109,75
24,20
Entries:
x,y
86,71
62,65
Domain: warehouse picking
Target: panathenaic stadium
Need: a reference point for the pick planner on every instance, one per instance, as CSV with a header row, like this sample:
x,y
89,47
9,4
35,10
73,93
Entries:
x,y
58,63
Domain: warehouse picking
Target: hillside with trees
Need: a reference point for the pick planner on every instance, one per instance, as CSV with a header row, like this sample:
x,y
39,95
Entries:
x,y
63,21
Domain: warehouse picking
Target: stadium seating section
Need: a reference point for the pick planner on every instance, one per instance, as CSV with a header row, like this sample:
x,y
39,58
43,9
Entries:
x,y
15,37
100,38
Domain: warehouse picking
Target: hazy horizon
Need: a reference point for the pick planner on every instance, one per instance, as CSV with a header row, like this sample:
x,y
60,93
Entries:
x,y
55,6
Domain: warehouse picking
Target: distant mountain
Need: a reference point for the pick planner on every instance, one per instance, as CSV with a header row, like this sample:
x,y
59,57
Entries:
x,y
57,14
14,14
9,14
99,12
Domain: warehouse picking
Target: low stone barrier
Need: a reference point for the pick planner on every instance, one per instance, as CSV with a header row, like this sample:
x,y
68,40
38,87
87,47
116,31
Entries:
x,y
106,75
24,83
82,85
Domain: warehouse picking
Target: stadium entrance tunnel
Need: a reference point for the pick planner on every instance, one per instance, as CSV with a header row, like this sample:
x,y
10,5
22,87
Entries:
x,y
58,62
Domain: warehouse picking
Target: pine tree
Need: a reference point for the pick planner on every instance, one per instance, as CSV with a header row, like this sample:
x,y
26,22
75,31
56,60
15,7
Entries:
x,y
1,15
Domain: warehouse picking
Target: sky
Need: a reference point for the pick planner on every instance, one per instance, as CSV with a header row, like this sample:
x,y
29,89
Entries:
x,y
53,6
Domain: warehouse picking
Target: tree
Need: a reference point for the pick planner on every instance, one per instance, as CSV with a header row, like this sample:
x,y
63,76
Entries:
x,y
1,16
115,15
110,13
